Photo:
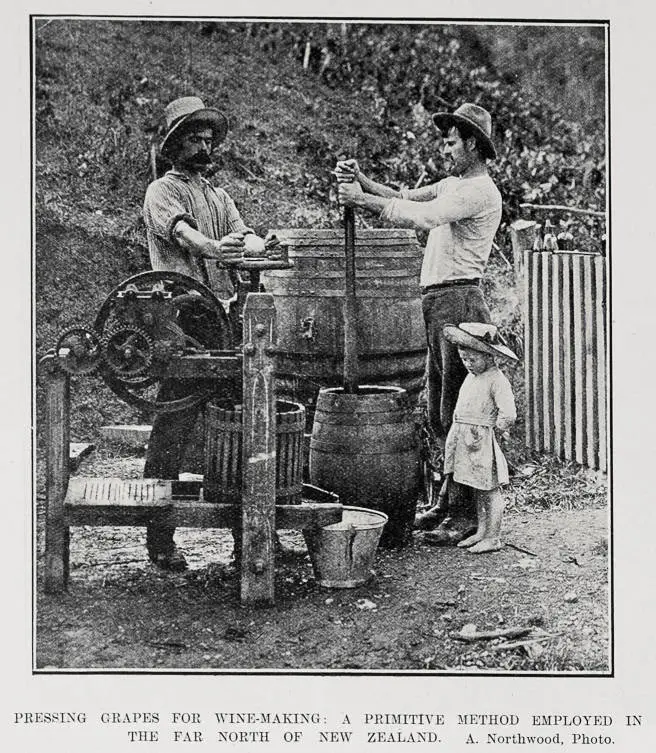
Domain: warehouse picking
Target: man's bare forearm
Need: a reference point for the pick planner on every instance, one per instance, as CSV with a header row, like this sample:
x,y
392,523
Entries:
x,y
195,242
377,189
372,203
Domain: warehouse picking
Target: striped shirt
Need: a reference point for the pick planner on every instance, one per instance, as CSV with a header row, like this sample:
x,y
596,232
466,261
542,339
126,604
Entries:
x,y
462,214
209,210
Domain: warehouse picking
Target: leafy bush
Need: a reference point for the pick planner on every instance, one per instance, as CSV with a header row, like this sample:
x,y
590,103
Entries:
x,y
390,71
96,114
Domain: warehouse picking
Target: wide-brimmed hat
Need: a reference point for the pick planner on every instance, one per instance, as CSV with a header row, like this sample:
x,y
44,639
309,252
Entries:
x,y
185,110
474,116
478,336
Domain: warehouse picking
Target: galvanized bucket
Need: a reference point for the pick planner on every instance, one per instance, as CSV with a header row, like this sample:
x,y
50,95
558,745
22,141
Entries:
x,y
343,554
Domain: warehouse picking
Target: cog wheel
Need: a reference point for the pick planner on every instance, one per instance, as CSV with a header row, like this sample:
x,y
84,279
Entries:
x,y
183,300
128,352
79,348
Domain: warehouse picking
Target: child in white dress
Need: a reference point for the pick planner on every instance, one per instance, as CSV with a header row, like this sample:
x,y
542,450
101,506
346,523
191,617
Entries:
x,y
485,404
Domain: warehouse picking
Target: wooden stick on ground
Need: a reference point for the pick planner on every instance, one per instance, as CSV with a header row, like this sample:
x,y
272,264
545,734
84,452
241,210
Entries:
x,y
487,635
521,549
518,644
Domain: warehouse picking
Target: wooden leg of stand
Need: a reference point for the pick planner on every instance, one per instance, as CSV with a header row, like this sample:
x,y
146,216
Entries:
x,y
57,444
259,452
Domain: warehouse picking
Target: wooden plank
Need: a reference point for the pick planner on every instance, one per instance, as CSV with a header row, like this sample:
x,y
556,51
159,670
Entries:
x,y
192,513
528,349
57,473
134,435
568,359
563,208
601,351
208,515
522,237
591,435
557,351
97,501
115,492
108,515
578,335
259,451
546,315
536,375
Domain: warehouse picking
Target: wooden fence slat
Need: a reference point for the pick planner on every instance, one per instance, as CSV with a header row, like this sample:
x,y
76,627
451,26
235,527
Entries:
x,y
522,236
578,303
601,340
568,360
546,315
536,366
528,349
589,429
557,352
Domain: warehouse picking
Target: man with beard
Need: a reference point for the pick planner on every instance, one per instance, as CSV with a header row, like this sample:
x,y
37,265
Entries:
x,y
188,220
462,213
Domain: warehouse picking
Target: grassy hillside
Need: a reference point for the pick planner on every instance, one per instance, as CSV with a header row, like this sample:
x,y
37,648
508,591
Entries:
x,y
100,91
365,90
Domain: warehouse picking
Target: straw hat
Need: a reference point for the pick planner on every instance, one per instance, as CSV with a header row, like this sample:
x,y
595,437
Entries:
x,y
478,336
474,116
186,110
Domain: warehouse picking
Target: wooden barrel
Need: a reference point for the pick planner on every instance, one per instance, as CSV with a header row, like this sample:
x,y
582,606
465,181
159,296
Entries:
x,y
309,309
223,452
365,448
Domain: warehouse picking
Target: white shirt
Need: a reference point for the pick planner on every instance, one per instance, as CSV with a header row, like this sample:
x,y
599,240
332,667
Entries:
x,y
462,214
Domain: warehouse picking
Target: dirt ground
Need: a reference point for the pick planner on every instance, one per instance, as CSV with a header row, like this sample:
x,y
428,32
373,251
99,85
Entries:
x,y
120,612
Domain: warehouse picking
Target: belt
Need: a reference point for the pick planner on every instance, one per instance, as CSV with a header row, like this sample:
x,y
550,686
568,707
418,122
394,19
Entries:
x,y
470,418
451,284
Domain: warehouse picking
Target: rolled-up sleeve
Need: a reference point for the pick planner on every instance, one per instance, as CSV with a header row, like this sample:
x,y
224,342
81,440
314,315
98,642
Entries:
x,y
164,207
461,202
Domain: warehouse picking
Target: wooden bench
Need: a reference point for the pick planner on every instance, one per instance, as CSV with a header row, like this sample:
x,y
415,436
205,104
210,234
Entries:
x,y
102,501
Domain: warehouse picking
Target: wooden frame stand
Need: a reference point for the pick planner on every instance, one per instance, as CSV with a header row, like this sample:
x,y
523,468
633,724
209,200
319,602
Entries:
x,y
138,502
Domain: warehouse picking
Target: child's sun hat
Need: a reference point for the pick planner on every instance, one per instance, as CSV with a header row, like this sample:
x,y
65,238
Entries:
x,y
478,336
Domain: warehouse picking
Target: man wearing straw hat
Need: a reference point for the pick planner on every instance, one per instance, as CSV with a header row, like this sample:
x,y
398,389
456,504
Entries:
x,y
462,213
188,220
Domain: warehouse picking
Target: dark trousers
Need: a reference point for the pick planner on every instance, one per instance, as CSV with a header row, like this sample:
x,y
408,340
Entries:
x,y
171,432
165,454
445,372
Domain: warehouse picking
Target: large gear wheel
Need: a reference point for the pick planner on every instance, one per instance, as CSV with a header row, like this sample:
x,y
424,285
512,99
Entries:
x,y
128,352
185,299
79,349
184,295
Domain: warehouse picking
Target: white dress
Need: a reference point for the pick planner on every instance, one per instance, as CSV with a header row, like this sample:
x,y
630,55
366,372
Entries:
x,y
472,453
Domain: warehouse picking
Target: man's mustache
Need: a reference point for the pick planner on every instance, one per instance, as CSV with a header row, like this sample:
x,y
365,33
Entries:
x,y
202,158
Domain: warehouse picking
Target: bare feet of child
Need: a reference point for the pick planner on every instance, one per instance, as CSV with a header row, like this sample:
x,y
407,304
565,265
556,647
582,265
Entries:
x,y
486,545
471,540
